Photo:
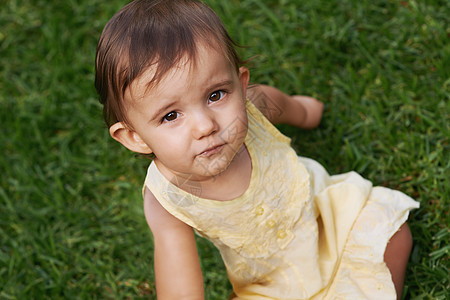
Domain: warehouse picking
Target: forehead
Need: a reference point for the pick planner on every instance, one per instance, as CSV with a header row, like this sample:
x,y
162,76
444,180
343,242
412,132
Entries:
x,y
208,64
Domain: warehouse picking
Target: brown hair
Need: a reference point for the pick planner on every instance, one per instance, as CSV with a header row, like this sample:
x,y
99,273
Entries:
x,y
148,33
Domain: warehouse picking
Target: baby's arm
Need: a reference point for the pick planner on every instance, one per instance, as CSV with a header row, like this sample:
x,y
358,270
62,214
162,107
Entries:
x,y
301,111
177,266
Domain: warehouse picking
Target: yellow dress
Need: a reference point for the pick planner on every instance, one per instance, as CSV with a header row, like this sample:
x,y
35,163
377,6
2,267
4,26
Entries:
x,y
296,232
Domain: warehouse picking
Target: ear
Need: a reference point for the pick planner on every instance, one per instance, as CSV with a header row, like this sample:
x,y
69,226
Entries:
x,y
129,138
244,77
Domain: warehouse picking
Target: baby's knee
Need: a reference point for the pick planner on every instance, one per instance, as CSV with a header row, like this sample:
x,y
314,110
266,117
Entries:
x,y
400,244
403,238
396,256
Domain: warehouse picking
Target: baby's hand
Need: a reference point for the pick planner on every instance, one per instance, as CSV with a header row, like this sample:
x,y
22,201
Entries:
x,y
313,112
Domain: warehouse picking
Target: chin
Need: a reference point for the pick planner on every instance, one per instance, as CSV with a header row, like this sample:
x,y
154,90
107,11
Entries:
x,y
216,168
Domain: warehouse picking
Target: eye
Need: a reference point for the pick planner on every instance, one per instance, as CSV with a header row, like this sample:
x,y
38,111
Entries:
x,y
216,96
170,116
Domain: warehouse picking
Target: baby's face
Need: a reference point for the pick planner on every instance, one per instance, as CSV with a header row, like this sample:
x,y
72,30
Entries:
x,y
194,120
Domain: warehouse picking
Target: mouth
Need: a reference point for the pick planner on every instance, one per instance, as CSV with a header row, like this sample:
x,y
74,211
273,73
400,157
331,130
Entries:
x,y
212,150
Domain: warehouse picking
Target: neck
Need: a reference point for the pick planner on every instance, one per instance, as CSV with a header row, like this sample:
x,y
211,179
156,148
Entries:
x,y
228,185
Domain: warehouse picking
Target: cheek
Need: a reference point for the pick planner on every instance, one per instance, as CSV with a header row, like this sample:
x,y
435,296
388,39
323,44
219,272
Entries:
x,y
166,143
236,124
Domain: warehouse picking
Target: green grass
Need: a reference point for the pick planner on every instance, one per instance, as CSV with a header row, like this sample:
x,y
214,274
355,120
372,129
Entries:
x,y
71,223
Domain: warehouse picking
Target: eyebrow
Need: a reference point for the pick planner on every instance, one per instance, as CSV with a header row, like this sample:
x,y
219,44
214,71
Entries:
x,y
160,111
219,84
167,106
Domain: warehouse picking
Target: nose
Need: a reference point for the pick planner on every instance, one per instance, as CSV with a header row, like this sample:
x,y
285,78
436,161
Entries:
x,y
204,123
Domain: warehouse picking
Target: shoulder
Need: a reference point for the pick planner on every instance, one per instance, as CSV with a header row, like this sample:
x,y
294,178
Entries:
x,y
259,95
260,125
158,218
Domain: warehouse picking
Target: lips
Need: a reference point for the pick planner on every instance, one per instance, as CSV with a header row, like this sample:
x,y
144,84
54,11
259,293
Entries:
x,y
212,150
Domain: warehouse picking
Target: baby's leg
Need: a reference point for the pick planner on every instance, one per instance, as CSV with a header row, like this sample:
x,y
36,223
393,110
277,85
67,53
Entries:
x,y
396,256
301,111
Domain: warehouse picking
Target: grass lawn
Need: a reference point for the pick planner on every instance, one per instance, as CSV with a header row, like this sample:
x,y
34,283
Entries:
x,y
71,219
